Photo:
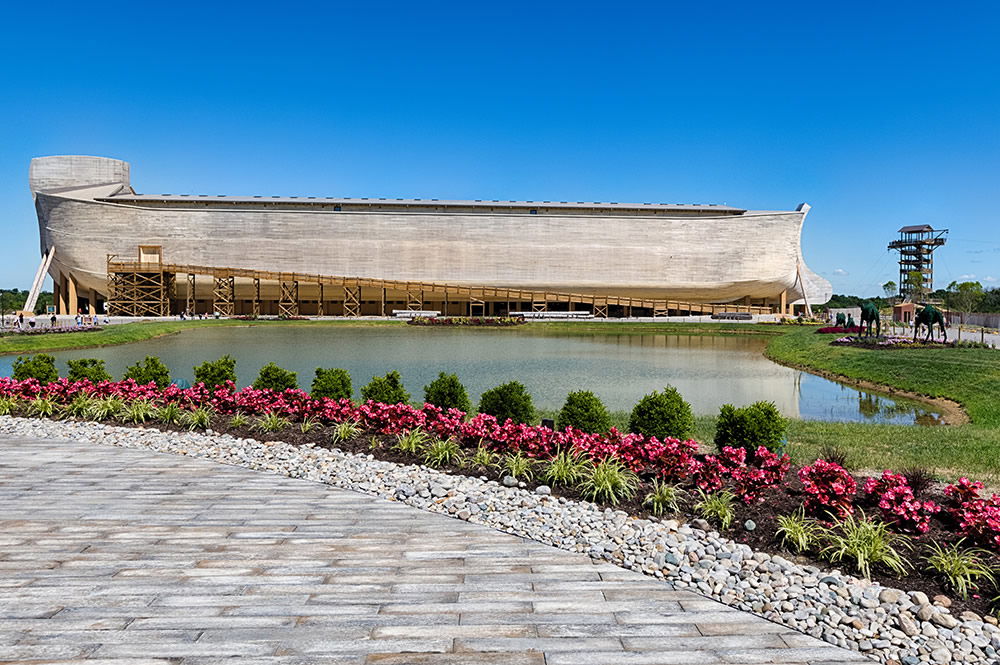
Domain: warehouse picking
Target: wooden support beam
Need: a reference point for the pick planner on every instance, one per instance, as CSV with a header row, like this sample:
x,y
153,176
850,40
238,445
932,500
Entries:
x,y
319,310
256,297
224,296
288,304
352,301
191,302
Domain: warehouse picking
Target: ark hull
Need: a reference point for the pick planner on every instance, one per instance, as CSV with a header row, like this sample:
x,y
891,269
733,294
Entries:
x,y
87,211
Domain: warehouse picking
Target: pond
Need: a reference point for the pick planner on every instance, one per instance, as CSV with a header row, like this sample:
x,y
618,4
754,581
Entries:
x,y
620,368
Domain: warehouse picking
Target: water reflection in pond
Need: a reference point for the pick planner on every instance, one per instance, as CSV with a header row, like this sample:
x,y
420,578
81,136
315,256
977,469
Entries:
x,y
708,370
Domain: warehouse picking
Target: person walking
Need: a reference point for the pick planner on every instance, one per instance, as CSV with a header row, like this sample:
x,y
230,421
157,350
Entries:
x,y
52,321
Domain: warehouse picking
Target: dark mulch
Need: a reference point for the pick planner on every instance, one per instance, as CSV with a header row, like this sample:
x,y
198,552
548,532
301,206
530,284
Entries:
x,y
764,514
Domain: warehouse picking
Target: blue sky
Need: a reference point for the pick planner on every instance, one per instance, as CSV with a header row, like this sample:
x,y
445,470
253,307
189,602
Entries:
x,y
877,114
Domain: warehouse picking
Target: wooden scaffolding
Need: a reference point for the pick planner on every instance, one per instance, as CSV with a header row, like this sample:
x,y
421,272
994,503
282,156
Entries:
x,y
144,288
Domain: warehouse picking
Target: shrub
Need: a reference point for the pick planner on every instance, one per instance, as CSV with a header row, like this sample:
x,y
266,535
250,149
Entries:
x,y
150,370
333,383
585,412
829,488
90,369
611,481
663,415
898,505
749,427
798,532
665,498
386,389
447,392
866,543
216,372
566,468
272,377
41,367
961,568
510,400
717,506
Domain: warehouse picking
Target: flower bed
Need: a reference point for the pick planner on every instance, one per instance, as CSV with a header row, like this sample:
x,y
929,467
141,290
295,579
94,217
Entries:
x,y
486,321
890,342
762,486
839,330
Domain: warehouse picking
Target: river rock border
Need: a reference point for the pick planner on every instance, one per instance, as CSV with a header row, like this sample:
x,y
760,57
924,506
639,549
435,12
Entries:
x,y
885,623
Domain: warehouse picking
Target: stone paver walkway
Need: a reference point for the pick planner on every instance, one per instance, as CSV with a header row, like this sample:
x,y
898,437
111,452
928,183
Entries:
x,y
111,555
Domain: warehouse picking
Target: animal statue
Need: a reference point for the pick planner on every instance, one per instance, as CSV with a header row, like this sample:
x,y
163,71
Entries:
x,y
850,321
870,315
841,320
928,316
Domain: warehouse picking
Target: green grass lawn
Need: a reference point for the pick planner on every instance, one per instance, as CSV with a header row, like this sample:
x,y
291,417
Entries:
x,y
970,377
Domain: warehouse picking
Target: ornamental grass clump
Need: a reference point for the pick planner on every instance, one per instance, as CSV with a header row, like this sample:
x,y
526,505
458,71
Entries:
x,y
962,569
584,411
200,418
137,412
272,377
43,407
443,452
719,507
663,415
239,420
609,481
447,392
214,373
866,544
518,466
412,442
271,422
169,414
664,498
332,383
8,405
41,367
103,409
78,408
798,532
150,370
386,389
483,459
90,369
345,431
566,468
508,401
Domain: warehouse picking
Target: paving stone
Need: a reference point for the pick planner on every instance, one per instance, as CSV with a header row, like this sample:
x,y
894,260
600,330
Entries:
x,y
130,557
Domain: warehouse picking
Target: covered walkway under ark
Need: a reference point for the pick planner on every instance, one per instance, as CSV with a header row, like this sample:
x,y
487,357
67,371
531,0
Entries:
x,y
152,287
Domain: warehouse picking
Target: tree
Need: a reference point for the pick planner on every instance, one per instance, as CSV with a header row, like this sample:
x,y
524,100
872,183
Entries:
x,y
964,296
915,282
890,289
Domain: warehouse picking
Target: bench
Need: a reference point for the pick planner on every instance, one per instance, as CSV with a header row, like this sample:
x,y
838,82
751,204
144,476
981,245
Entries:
x,y
415,313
